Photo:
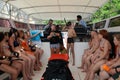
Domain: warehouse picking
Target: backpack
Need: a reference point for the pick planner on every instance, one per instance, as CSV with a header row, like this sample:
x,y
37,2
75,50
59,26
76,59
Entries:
x,y
57,70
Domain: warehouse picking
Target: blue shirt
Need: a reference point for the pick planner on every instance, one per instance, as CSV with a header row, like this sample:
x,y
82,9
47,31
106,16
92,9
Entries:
x,y
37,37
83,23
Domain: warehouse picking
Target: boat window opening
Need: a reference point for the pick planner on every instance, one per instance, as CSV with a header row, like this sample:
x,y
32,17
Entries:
x,y
114,22
100,25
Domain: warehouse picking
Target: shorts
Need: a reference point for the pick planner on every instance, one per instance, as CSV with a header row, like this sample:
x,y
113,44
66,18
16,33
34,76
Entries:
x,y
55,45
70,40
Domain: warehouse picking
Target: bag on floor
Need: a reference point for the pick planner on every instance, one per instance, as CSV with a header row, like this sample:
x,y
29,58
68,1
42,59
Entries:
x,y
57,70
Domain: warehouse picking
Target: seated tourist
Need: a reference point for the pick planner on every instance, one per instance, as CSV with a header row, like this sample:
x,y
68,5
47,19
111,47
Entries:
x,y
27,49
38,51
112,65
102,55
88,53
5,63
15,47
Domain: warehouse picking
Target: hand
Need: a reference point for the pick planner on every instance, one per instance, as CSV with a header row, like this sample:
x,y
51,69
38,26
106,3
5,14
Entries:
x,y
89,52
52,33
57,34
112,71
19,53
108,63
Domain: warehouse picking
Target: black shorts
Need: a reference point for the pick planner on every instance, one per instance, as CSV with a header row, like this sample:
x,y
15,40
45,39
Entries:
x,y
70,40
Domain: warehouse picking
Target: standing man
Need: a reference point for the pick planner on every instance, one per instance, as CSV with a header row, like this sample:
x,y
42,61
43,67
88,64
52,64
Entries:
x,y
81,21
47,28
81,28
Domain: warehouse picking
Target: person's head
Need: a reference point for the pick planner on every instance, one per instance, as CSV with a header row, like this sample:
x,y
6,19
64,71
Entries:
x,y
116,39
2,36
6,35
103,34
21,33
69,24
93,33
26,35
53,27
50,22
13,31
57,27
79,17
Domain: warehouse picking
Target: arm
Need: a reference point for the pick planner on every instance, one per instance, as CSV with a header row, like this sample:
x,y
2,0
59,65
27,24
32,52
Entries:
x,y
114,60
34,35
6,52
11,43
115,64
104,54
74,33
95,55
114,71
65,29
5,62
50,36
94,47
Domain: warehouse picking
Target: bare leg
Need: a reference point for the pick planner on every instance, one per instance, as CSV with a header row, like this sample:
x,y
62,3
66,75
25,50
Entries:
x,y
10,70
95,68
68,47
110,79
52,50
83,59
27,61
27,64
37,67
17,66
40,51
24,72
33,59
73,53
87,63
104,75
57,50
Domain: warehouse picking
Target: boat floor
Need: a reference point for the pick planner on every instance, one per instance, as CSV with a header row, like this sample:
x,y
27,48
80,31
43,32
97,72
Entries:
x,y
76,72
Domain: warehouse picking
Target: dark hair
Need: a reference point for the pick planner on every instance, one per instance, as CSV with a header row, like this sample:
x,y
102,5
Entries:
x,y
104,33
79,16
6,34
12,31
21,31
68,23
57,27
50,20
1,36
53,25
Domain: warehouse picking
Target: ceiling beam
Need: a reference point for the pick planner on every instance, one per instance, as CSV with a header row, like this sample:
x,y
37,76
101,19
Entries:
x,y
58,5
59,12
